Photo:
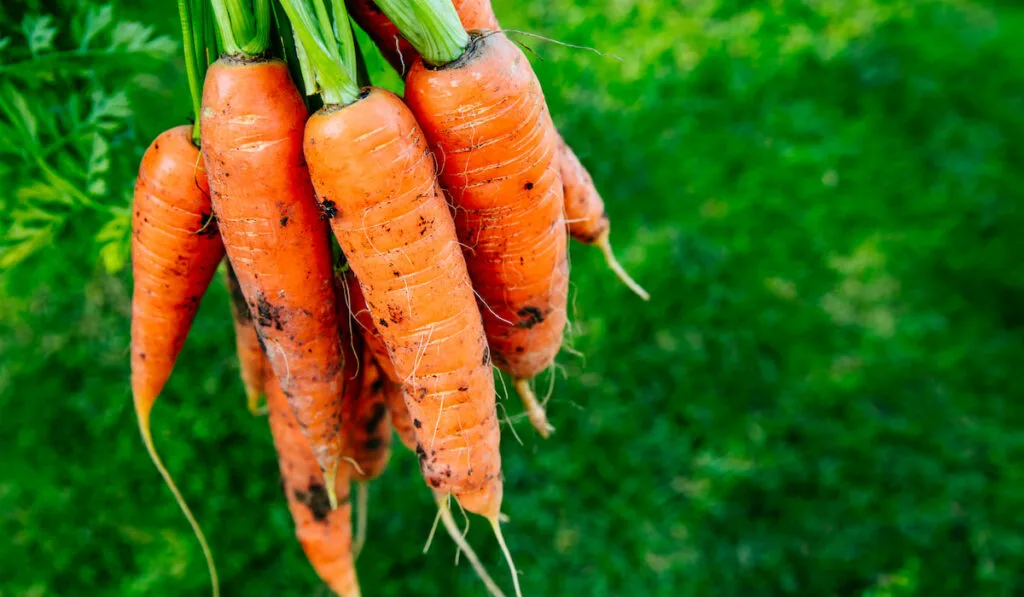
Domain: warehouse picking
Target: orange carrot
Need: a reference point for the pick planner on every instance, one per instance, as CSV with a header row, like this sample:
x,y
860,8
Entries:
x,y
252,122
175,251
400,419
368,422
585,214
325,534
375,178
486,120
367,327
251,360
584,208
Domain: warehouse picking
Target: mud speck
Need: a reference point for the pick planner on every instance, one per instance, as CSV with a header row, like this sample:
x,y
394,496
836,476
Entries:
x,y
316,500
531,316
379,410
284,221
328,209
395,314
267,314
528,186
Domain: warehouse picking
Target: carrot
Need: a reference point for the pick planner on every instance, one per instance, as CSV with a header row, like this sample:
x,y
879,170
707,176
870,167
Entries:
x,y
376,182
367,327
252,122
175,252
584,209
400,419
251,360
392,387
486,120
368,423
325,534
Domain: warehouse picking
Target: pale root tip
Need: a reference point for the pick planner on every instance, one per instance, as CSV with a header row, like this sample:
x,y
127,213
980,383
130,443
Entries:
x,y
538,417
496,526
142,413
362,501
445,513
605,245
330,479
253,402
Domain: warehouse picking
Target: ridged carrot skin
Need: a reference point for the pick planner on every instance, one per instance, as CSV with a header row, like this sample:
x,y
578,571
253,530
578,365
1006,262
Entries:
x,y
487,122
175,251
252,363
376,180
252,125
325,534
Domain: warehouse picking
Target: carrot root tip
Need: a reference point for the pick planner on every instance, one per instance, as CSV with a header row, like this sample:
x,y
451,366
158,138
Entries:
x,y
330,479
496,526
253,402
534,410
609,256
445,514
147,439
362,501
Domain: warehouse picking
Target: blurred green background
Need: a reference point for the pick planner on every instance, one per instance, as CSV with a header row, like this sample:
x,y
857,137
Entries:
x,y
824,396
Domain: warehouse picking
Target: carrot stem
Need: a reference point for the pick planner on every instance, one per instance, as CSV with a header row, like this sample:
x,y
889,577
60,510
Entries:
x,y
188,40
243,32
613,263
343,35
337,85
431,26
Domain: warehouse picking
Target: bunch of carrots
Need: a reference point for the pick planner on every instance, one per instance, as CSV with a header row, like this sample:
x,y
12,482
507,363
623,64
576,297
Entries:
x,y
382,253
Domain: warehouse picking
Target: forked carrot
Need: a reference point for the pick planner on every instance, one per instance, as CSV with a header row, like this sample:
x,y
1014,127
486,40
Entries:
x,y
252,363
175,252
252,123
325,534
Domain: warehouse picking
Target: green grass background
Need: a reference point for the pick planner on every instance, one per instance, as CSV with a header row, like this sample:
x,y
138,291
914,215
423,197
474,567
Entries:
x,y
824,396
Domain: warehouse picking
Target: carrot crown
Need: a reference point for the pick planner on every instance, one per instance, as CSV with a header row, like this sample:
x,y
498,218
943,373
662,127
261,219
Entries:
x,y
326,49
244,30
431,26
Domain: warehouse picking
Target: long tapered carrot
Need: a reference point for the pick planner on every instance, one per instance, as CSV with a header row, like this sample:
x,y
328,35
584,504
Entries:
x,y
584,209
325,534
175,251
485,118
252,123
252,363
376,181
397,233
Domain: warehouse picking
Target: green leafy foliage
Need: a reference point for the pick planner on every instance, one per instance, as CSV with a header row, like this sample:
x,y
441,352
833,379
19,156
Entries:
x,y
66,125
822,398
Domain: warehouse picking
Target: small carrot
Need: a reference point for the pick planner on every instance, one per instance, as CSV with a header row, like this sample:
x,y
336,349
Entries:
x,y
252,123
376,182
175,251
585,213
251,360
400,419
325,534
